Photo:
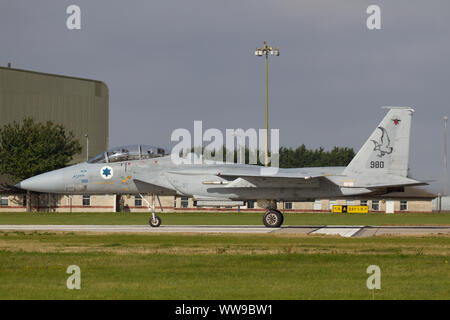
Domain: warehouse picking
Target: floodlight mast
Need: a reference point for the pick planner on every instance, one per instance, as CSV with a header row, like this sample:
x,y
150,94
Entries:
x,y
446,182
87,146
259,52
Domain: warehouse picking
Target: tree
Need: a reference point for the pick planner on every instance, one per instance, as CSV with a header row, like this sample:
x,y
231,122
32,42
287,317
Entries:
x,y
33,148
302,157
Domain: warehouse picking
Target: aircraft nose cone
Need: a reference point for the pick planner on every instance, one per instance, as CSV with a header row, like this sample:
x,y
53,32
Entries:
x,y
46,182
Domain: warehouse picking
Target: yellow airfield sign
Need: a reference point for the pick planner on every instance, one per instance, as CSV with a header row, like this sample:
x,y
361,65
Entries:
x,y
350,209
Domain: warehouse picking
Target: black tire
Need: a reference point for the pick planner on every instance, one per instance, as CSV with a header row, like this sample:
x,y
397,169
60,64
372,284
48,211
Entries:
x,y
273,219
282,216
154,222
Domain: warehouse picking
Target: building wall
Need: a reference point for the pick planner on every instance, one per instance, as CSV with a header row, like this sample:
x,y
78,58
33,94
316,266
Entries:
x,y
110,203
80,105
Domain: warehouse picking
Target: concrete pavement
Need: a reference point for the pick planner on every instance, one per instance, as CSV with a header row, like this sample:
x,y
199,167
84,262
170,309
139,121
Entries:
x,y
344,231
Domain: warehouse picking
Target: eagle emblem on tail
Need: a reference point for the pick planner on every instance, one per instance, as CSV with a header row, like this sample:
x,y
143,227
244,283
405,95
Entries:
x,y
383,146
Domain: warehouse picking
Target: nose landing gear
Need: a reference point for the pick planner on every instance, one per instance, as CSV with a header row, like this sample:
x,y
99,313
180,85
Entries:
x,y
154,220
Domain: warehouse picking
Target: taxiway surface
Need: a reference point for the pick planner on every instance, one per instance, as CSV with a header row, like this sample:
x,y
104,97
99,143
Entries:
x,y
344,231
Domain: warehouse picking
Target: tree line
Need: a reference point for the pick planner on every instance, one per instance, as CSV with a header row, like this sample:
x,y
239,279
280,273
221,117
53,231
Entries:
x,y
299,157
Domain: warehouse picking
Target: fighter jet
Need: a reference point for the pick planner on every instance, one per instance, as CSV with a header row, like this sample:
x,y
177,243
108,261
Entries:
x,y
141,169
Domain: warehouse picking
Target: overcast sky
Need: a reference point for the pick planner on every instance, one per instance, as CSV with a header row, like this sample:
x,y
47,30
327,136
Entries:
x,y
168,63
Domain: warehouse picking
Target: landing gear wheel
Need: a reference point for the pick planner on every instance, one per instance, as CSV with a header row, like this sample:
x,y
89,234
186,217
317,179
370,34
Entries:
x,y
273,219
282,217
154,222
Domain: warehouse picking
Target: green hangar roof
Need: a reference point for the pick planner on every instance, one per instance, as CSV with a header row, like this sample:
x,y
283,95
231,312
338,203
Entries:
x,y
80,105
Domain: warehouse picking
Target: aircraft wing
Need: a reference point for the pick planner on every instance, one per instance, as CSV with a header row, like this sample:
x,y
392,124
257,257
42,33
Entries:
x,y
273,172
256,177
287,179
269,176
272,179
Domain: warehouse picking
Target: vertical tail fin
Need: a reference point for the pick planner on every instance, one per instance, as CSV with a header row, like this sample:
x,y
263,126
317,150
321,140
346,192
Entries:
x,y
387,149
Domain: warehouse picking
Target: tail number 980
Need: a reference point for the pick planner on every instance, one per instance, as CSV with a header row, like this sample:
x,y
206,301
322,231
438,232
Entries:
x,y
376,164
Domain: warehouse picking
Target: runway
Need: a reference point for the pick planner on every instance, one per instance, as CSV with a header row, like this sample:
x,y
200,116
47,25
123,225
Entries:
x,y
344,231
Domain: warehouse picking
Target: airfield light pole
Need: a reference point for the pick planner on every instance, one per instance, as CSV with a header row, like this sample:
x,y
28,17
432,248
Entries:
x,y
87,146
259,52
445,158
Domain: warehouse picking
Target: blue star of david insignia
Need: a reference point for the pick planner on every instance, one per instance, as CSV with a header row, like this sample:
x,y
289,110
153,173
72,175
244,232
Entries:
x,y
106,172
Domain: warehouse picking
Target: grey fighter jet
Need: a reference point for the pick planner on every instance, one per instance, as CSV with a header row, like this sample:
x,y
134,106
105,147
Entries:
x,y
380,166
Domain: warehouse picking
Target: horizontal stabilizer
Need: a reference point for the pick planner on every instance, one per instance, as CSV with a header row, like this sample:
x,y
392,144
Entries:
x,y
371,181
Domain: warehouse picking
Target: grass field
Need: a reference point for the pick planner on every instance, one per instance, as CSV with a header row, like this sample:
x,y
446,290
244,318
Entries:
x,y
207,266
175,266
243,218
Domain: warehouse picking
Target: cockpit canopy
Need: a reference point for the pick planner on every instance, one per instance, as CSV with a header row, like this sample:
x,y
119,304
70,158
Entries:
x,y
128,153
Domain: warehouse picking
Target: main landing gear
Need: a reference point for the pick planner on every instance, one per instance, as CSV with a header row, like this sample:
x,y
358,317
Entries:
x,y
273,218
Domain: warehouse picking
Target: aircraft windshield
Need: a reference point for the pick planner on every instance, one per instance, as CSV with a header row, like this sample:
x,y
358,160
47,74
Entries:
x,y
128,153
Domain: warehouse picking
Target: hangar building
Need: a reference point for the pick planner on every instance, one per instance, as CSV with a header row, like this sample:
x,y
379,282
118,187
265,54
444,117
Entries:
x,y
80,105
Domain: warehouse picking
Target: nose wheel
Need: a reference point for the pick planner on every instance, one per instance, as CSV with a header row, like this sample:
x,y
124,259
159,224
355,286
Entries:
x,y
154,221
273,218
